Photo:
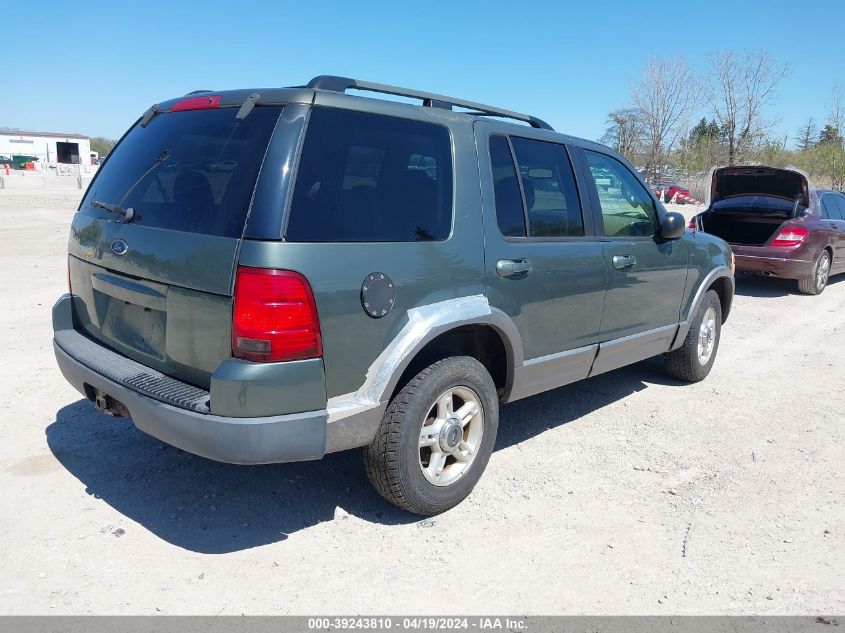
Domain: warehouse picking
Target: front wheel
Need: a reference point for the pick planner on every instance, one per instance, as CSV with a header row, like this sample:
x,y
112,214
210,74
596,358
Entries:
x,y
693,360
816,281
436,437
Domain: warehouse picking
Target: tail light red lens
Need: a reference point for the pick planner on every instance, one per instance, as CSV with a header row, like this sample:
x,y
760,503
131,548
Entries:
x,y
274,316
790,236
693,224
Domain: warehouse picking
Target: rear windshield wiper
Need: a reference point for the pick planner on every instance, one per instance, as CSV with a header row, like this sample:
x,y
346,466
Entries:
x,y
126,213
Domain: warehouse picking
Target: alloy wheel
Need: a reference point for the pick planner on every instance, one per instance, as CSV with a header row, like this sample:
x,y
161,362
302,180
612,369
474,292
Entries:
x,y
822,270
451,436
707,336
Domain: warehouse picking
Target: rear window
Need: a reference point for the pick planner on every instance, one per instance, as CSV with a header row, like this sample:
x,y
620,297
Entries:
x,y
189,171
755,204
371,178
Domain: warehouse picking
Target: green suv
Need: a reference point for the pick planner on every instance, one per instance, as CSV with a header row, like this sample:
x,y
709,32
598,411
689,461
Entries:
x,y
269,276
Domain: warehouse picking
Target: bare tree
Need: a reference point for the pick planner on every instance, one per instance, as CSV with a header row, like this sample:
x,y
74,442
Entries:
x,y
739,87
836,114
624,132
807,136
665,96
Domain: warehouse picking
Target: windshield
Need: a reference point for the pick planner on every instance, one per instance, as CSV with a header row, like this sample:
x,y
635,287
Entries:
x,y
186,171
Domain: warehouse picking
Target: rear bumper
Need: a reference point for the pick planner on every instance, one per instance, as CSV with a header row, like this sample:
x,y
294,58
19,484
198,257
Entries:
x,y
764,263
236,440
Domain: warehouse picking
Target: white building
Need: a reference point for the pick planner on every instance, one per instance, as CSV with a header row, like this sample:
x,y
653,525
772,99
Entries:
x,y
49,148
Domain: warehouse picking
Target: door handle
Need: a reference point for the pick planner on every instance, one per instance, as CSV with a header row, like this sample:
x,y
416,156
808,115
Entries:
x,y
513,267
624,262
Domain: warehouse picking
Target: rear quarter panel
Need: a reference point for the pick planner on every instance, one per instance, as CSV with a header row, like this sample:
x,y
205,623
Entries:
x,y
422,272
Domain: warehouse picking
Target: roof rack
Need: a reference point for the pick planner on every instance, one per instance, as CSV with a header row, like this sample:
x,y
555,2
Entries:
x,y
334,83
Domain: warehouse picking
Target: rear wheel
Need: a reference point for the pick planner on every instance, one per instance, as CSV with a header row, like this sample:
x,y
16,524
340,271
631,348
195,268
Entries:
x,y
816,281
436,437
693,360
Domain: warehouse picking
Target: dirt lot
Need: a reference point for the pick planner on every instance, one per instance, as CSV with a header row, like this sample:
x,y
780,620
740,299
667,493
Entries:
x,y
627,493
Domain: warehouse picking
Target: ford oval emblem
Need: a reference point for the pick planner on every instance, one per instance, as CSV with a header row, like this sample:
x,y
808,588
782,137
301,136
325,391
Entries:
x,y
119,247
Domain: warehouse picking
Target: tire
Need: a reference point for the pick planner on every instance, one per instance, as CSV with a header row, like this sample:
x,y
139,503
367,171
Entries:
x,y
685,363
816,281
395,460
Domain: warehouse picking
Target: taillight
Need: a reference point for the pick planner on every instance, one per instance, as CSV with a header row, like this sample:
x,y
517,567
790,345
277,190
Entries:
x,y
790,236
274,317
693,224
197,103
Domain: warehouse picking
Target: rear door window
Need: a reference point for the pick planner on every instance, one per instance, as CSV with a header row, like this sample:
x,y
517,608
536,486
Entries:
x,y
189,171
371,178
548,184
510,214
626,207
536,196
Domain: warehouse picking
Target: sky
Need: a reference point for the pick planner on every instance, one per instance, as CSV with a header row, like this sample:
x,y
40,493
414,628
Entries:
x,y
93,67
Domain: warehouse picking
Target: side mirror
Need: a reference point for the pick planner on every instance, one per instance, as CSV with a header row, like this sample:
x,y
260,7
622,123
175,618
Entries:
x,y
673,226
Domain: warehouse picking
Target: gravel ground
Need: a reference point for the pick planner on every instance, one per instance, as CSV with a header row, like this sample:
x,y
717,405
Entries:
x,y
626,493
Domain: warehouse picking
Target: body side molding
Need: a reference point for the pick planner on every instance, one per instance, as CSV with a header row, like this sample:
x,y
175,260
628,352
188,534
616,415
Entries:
x,y
624,351
554,370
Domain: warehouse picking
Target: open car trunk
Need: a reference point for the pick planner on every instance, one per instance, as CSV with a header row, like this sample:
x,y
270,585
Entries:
x,y
157,287
749,204
747,220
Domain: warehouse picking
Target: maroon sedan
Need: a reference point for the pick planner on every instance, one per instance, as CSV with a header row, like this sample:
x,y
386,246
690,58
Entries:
x,y
777,223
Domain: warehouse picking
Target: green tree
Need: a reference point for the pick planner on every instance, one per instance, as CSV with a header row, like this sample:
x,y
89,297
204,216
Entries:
x,y
703,148
699,131
830,156
714,131
102,145
773,152
830,134
704,131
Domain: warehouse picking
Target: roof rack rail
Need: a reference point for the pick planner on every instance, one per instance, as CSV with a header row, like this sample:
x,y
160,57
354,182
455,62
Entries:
x,y
334,83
